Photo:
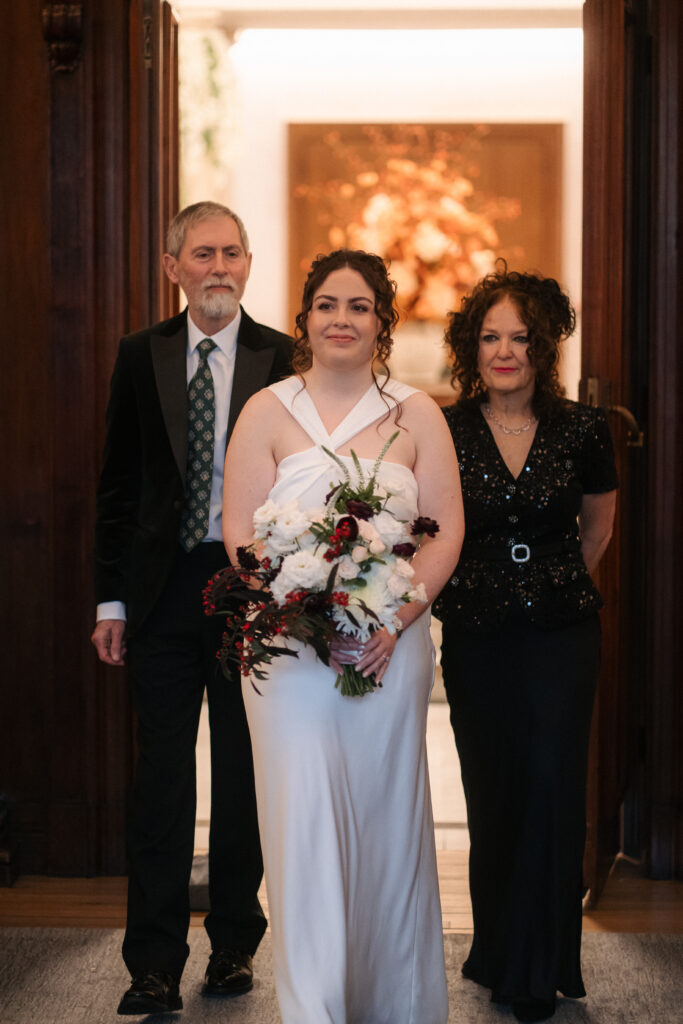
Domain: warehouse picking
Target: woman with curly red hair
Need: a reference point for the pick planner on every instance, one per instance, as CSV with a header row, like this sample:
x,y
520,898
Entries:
x,y
521,634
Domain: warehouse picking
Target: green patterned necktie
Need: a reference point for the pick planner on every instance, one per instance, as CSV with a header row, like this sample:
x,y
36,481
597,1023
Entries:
x,y
194,521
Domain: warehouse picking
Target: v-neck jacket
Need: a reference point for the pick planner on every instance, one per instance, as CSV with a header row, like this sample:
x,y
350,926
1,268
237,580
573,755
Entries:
x,y
521,533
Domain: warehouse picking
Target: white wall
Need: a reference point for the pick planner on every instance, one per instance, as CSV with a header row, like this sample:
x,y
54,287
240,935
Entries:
x,y
282,76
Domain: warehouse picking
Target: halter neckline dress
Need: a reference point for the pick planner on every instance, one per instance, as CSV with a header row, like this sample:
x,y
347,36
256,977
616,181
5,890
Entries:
x,y
343,794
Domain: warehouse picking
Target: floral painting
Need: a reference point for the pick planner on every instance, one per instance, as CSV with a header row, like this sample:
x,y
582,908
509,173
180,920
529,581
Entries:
x,y
442,202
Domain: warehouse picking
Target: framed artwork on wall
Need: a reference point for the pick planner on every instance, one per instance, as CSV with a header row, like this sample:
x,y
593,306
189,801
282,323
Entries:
x,y
441,202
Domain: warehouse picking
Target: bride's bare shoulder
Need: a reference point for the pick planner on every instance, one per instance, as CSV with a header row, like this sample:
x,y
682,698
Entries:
x,y
418,405
264,402
261,417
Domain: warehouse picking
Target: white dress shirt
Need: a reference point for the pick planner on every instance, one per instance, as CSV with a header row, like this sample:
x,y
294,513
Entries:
x,y
222,364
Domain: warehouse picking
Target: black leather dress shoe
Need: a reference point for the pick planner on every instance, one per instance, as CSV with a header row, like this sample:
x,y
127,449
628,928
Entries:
x,y
533,1009
229,973
151,992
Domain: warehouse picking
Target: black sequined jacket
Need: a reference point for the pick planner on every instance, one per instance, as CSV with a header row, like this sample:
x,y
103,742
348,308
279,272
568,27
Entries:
x,y
521,534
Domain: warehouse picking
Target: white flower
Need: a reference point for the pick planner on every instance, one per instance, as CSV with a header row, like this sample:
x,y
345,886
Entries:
x,y
347,568
394,485
377,547
359,553
391,530
403,568
276,549
418,594
367,531
374,595
396,585
298,571
291,521
264,517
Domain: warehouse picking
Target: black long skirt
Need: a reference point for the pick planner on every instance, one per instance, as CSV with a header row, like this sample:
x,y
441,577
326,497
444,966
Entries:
x,y
521,702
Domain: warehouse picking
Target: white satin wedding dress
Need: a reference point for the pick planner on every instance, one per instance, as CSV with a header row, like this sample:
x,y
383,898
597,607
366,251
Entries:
x,y
343,795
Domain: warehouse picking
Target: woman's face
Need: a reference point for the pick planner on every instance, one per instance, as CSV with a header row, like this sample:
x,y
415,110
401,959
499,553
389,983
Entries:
x,y
342,325
503,361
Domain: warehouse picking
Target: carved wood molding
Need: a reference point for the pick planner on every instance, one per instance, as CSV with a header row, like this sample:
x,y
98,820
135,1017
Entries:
x,y
63,32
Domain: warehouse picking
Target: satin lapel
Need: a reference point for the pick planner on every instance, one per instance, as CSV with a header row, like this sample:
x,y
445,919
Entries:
x,y
170,370
252,368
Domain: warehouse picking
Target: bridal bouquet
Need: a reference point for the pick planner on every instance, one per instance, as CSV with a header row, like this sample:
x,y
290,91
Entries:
x,y
313,574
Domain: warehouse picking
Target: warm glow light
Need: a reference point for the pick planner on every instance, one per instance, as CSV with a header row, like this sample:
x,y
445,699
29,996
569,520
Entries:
x,y
339,49
379,5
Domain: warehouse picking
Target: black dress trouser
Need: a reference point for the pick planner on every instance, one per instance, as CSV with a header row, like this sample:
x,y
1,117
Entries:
x,y
172,660
521,702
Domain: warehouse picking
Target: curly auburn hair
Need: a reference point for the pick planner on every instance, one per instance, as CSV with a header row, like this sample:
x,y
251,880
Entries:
x,y
547,314
374,272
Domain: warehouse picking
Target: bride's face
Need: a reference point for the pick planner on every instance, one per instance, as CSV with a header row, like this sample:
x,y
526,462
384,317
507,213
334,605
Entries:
x,y
342,324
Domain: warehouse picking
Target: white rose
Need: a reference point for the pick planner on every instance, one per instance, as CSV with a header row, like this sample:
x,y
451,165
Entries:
x,y
347,569
359,553
389,528
298,571
418,594
403,568
377,546
394,485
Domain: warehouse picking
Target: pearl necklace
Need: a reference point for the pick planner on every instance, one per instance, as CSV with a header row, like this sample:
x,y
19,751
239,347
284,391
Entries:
x,y
504,427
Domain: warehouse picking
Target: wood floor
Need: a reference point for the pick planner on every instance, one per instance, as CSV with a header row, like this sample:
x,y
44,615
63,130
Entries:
x,y
629,903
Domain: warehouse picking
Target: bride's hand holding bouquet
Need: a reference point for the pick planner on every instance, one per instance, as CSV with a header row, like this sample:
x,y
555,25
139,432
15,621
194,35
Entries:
x,y
333,578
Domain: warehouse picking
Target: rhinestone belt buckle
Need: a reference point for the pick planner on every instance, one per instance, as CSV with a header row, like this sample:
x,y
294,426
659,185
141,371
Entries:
x,y
520,552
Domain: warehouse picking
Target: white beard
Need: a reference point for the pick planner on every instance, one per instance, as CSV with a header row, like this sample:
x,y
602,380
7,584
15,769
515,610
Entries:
x,y
219,305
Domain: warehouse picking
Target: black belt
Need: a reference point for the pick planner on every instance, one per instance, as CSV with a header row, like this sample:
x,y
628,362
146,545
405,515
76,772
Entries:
x,y
519,553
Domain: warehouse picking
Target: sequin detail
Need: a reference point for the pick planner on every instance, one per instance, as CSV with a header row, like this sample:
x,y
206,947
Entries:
x,y
571,455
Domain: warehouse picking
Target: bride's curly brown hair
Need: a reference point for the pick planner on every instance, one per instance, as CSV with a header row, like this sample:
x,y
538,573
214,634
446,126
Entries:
x,y
545,310
374,272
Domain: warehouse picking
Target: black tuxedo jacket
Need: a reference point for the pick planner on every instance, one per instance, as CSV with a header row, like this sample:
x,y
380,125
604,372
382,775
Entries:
x,y
142,483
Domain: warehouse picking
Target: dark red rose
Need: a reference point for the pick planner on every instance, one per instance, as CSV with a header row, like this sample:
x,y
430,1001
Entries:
x,y
359,509
405,550
347,527
423,524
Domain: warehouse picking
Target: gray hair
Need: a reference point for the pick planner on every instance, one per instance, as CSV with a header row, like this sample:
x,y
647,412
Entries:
x,y
192,215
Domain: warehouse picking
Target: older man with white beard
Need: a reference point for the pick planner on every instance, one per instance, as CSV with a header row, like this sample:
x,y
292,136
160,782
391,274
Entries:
x,y
176,391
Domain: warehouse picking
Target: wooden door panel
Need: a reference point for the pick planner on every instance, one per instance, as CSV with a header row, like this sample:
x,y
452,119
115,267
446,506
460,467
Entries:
x,y
632,309
604,67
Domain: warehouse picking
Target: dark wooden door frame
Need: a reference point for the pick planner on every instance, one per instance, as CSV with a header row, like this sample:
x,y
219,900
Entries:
x,y
93,181
663,595
631,349
603,239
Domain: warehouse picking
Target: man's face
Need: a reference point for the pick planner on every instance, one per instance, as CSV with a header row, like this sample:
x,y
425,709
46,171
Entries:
x,y
212,269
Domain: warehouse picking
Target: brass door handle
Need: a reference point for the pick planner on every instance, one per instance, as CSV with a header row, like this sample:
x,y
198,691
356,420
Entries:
x,y
635,437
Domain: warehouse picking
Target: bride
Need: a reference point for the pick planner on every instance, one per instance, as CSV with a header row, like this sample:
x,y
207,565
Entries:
x,y
342,784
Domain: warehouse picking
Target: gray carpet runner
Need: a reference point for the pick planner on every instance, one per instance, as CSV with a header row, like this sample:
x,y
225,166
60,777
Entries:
x,y
75,976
